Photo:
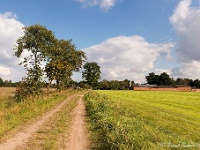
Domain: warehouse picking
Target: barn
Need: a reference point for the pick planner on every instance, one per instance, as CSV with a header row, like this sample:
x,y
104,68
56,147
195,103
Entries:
x,y
180,88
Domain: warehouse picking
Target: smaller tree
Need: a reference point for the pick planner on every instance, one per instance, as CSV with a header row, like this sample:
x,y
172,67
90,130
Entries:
x,y
91,73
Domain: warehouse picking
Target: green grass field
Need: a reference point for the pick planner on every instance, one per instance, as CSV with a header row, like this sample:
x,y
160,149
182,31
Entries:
x,y
144,119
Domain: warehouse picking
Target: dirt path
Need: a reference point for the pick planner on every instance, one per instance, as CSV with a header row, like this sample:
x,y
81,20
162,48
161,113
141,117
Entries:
x,y
78,135
77,142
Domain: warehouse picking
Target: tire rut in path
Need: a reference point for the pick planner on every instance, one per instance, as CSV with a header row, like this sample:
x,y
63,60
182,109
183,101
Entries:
x,y
23,136
78,139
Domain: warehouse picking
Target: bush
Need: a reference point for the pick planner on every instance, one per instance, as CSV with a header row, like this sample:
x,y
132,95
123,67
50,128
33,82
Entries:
x,y
27,88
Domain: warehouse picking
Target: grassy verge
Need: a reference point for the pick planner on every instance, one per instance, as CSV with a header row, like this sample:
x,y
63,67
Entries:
x,y
144,120
14,116
54,133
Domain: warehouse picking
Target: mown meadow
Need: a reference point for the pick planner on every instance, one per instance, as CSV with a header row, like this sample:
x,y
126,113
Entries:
x,y
143,119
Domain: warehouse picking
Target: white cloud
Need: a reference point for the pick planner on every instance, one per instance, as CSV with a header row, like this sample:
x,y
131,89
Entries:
x,y
10,31
188,70
186,23
159,71
103,4
128,57
4,71
180,14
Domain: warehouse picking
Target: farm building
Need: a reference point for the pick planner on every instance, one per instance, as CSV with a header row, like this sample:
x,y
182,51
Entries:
x,y
162,88
195,90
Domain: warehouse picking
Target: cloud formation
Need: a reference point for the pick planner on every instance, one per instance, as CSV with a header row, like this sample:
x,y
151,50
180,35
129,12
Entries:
x,y
127,57
159,71
10,31
4,71
186,23
103,4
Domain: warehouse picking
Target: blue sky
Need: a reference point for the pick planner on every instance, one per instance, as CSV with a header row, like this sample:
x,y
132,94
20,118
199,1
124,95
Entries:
x,y
127,38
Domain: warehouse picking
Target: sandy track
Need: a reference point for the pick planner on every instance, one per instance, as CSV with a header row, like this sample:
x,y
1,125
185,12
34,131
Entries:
x,y
23,136
78,135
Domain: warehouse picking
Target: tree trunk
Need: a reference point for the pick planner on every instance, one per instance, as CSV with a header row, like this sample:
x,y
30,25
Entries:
x,y
48,87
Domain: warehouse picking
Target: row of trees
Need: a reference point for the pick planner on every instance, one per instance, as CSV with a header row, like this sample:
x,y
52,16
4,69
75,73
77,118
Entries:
x,y
106,85
152,79
115,85
50,60
50,57
165,80
6,83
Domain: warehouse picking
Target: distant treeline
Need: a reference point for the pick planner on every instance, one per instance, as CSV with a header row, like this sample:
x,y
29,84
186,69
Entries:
x,y
165,80
108,85
7,83
152,79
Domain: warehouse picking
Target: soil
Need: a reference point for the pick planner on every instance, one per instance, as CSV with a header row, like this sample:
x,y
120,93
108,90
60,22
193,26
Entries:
x,y
78,133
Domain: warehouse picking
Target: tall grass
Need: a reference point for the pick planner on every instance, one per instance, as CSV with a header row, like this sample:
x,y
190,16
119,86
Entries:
x,y
144,120
16,115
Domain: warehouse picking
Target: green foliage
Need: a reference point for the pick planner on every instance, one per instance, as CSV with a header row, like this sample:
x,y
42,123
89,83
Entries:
x,y
115,85
60,56
196,83
1,82
38,41
63,59
27,88
6,83
162,79
143,120
91,73
83,85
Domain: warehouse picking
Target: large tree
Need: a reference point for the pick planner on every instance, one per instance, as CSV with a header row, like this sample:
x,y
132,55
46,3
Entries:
x,y
63,60
37,42
91,73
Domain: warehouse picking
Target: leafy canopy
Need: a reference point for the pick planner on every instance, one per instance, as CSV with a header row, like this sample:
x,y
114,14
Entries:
x,y
64,59
38,42
91,73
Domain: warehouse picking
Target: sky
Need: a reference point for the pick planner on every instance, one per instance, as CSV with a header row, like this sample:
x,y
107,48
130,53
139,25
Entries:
x,y
127,38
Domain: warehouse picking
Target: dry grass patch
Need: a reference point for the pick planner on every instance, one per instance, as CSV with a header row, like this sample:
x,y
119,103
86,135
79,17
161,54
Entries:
x,y
54,133
7,91
14,117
